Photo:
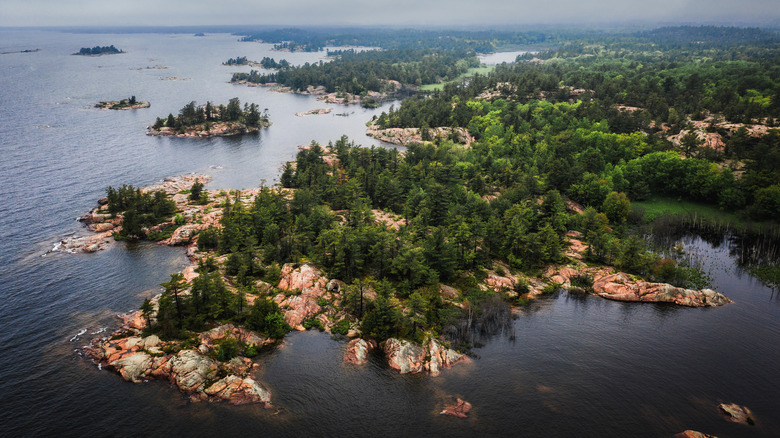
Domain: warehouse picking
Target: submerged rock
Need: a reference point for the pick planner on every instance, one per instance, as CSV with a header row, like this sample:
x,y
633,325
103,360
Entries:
x,y
736,413
458,409
693,434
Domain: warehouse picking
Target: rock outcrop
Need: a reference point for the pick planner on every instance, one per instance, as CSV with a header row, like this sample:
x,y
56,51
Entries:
x,y
408,357
458,409
407,136
404,356
311,283
439,358
138,359
358,350
736,413
620,287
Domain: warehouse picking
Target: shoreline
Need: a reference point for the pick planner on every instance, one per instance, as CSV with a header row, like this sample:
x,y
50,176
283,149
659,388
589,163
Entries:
x,y
304,294
217,129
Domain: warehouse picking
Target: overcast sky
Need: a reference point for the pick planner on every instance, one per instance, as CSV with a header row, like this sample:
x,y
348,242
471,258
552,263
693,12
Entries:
x,y
398,12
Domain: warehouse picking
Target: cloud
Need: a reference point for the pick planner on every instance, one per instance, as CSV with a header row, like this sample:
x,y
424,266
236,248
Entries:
x,y
402,12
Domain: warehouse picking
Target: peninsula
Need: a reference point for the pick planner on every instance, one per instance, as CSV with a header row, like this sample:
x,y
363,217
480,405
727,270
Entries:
x,y
212,121
269,260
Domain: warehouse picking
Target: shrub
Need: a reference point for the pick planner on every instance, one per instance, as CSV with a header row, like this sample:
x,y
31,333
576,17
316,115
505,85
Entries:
x,y
227,349
341,328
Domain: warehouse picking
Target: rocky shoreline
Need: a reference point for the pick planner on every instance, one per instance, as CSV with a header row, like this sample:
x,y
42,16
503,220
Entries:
x,y
315,112
121,105
305,295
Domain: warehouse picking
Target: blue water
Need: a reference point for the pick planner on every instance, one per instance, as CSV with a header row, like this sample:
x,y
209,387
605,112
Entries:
x,y
577,366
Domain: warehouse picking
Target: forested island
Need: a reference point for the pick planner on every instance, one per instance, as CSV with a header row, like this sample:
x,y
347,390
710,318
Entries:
x,y
211,120
123,104
539,176
266,63
99,50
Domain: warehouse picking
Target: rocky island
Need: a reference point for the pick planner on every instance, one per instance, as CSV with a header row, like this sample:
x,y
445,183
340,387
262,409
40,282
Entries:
x,y
124,104
212,121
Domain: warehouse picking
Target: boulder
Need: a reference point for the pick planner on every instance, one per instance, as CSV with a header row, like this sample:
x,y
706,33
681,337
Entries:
x,y
296,309
448,292
239,390
305,278
404,356
335,286
239,365
182,235
133,367
620,287
440,358
151,341
357,351
458,409
133,320
736,413
190,370
101,227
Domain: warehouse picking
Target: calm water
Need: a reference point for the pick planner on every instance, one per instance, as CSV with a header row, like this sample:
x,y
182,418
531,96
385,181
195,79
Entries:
x,y
578,366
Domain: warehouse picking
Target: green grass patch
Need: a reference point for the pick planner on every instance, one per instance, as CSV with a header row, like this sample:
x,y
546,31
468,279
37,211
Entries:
x,y
469,73
664,210
656,206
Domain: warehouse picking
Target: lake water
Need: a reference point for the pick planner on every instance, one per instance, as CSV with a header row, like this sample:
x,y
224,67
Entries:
x,y
576,366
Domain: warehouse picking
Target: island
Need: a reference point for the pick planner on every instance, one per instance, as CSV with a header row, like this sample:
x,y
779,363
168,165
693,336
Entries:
x,y
124,104
21,51
99,51
269,260
266,63
211,120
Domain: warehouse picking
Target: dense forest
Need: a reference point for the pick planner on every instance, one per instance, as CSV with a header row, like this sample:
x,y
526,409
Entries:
x,y
360,72
590,121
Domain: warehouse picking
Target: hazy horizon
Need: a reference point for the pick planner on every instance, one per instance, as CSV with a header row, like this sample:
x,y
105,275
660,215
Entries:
x,y
438,13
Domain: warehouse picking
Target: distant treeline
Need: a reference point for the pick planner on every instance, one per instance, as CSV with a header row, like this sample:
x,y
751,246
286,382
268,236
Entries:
x,y
359,72
313,40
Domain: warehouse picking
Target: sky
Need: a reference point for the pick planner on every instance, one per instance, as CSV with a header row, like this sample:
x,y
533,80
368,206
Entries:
x,y
397,12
